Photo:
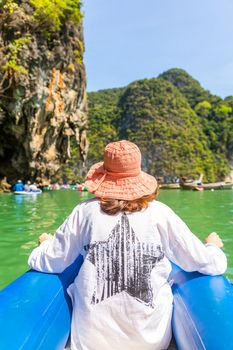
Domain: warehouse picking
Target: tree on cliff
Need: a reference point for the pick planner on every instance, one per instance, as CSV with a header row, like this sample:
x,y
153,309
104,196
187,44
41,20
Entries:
x,y
43,83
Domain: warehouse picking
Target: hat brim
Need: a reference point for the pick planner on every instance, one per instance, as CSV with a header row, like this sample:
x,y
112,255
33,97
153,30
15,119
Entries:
x,y
103,185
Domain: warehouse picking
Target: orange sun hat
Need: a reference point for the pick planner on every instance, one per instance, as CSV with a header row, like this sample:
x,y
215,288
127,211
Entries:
x,y
120,176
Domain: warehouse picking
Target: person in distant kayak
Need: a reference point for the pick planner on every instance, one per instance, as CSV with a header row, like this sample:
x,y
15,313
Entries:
x,y
19,186
27,186
122,299
33,187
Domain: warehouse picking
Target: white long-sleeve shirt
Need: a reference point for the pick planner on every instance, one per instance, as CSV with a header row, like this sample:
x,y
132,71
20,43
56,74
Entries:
x,y
121,296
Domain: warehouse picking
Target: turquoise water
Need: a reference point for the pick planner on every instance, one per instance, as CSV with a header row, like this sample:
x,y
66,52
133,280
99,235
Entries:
x,y
24,218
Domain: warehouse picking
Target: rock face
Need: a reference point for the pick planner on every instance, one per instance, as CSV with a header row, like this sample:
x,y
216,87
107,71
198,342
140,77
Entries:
x,y
42,90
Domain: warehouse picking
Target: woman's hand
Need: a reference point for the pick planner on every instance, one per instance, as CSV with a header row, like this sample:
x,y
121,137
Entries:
x,y
44,237
213,238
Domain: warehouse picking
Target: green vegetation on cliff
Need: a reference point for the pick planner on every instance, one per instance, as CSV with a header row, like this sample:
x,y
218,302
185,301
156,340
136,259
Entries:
x,y
180,127
49,15
104,120
53,13
159,119
189,87
46,17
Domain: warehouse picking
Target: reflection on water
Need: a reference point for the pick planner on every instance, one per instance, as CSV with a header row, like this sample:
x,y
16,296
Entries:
x,y
20,198
23,218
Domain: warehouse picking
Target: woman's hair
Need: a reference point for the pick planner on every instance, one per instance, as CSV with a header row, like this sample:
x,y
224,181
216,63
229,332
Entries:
x,y
114,206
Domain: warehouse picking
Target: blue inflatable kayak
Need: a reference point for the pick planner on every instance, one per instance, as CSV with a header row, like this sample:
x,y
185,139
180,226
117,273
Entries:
x,y
35,311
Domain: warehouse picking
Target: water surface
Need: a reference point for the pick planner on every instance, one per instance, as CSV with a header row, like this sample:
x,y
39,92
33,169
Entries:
x,y
24,218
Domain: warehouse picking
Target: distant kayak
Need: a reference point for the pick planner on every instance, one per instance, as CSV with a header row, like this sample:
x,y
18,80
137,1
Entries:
x,y
28,192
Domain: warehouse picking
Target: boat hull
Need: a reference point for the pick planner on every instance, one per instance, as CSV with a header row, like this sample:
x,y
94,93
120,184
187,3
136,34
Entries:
x,y
218,186
170,186
191,187
27,193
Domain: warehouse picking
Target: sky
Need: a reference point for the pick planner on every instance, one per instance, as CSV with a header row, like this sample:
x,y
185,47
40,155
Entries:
x,y
127,40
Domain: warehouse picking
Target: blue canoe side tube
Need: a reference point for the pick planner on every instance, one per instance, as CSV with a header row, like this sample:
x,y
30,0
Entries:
x,y
35,311
203,311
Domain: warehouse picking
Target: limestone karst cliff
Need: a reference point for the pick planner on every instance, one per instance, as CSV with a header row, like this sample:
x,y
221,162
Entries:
x,y
42,86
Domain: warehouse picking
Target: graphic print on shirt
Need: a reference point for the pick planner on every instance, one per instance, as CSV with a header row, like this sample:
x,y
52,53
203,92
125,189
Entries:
x,y
123,263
